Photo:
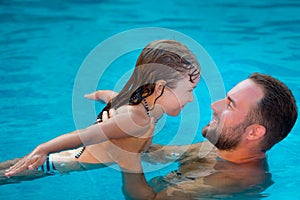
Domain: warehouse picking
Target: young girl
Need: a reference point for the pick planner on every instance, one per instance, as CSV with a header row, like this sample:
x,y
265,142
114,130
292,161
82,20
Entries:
x,y
163,80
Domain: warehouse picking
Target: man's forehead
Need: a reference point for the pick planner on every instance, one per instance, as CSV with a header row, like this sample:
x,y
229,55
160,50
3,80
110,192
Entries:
x,y
241,86
246,88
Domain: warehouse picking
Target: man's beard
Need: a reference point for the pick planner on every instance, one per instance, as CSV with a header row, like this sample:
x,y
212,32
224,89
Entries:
x,y
226,138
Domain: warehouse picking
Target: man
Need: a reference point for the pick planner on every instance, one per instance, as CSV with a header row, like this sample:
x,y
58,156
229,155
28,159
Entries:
x,y
255,115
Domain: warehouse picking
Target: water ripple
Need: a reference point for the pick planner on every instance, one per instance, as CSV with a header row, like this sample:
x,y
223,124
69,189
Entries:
x,y
277,5
278,23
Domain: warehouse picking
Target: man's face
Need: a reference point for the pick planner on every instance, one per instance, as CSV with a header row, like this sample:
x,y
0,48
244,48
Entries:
x,y
230,120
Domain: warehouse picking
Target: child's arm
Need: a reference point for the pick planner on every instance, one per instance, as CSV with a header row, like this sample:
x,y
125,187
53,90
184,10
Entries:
x,y
102,95
130,122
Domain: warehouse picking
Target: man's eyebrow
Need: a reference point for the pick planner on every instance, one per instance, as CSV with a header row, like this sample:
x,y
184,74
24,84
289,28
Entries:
x,y
231,100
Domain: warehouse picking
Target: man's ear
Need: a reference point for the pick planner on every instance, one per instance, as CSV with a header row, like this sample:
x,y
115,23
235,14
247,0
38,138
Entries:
x,y
255,131
159,86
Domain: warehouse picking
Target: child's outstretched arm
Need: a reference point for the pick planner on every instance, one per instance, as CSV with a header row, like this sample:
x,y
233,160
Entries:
x,y
128,122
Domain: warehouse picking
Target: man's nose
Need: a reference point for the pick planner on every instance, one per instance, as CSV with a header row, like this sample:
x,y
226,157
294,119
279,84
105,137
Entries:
x,y
218,106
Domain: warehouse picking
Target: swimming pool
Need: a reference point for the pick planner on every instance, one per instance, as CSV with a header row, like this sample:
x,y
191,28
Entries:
x,y
43,44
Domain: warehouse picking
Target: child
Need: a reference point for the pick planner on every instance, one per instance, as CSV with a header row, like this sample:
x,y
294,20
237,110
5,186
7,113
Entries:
x,y
163,80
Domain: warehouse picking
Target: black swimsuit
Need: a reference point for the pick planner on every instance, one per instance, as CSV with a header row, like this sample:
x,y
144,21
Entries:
x,y
99,120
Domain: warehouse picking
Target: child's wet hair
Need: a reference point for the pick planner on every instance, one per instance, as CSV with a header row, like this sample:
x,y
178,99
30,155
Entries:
x,y
172,54
167,60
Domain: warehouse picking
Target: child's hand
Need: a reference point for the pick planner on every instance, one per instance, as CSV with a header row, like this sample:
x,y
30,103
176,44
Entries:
x,y
33,160
101,95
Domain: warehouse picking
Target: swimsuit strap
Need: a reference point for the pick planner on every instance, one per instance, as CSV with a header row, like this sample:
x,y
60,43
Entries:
x,y
80,152
146,107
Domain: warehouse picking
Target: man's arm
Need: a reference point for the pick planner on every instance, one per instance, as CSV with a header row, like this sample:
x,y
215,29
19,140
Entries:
x,y
134,183
183,153
214,185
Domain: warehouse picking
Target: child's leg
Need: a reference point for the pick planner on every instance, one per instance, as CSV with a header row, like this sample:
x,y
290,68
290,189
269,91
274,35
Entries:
x,y
93,157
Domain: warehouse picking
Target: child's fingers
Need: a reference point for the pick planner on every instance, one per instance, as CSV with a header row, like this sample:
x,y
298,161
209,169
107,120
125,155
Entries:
x,y
104,116
91,96
36,164
18,167
112,113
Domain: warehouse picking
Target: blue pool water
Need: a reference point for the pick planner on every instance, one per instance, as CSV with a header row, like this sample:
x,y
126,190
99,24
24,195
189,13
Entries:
x,y
43,44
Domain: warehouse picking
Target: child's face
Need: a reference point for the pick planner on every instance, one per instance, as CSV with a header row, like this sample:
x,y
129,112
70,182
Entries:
x,y
173,100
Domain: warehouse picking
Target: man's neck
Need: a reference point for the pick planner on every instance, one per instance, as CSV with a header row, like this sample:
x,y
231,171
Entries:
x,y
241,155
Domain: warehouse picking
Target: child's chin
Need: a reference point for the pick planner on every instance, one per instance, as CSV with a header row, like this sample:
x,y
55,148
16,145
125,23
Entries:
x,y
174,114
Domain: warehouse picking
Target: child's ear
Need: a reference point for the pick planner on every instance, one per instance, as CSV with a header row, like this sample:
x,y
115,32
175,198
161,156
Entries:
x,y
160,84
255,131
